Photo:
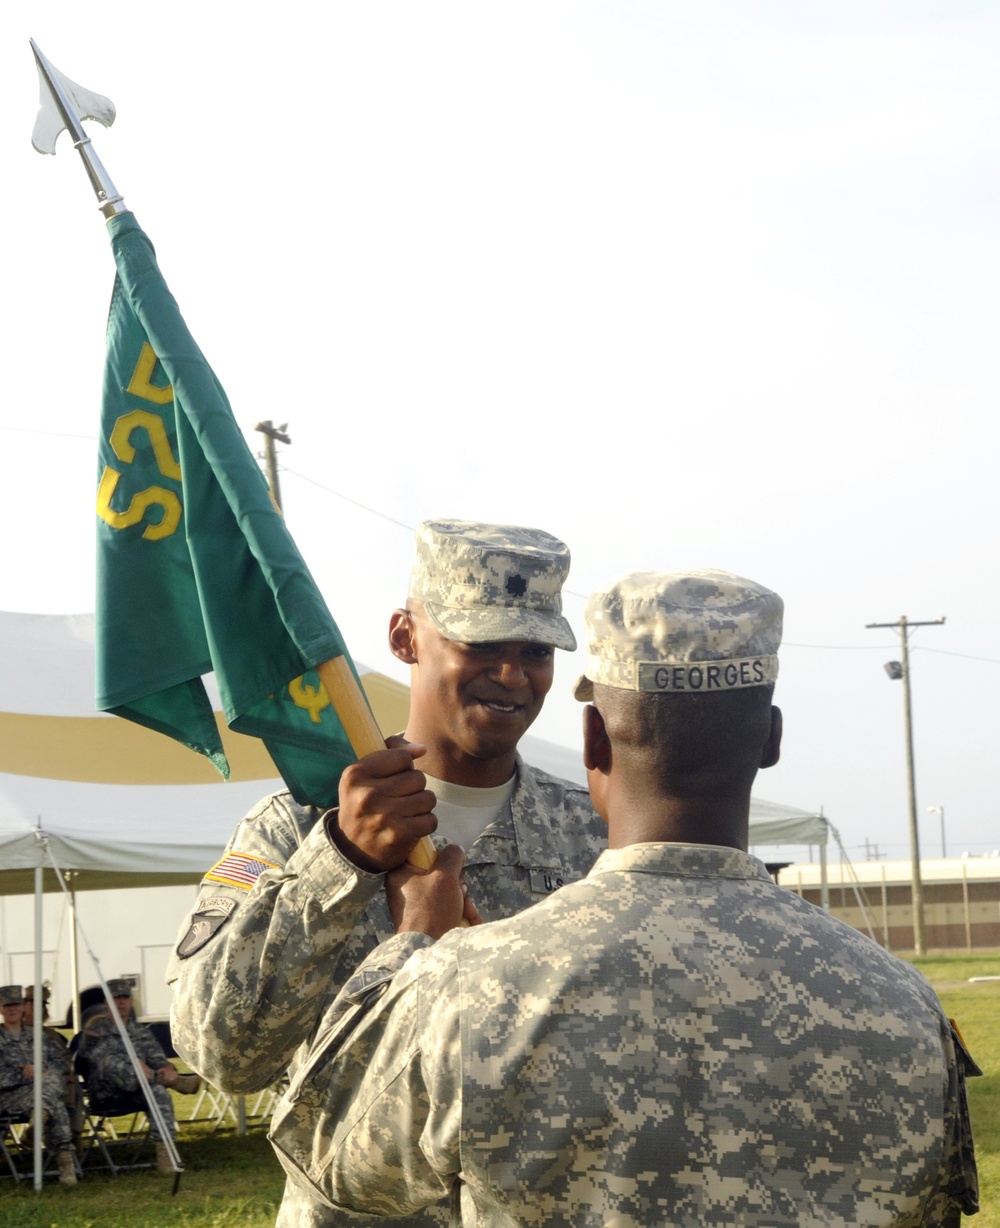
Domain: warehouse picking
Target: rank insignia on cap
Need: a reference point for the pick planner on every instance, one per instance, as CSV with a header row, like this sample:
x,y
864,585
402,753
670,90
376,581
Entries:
x,y
488,583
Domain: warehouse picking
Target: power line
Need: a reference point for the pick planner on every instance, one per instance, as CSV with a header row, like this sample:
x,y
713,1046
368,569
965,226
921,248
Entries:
x,y
838,647
943,652
347,499
402,524
32,430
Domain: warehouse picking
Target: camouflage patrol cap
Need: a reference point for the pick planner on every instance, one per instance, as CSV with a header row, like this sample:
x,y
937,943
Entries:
x,y
120,988
29,993
680,633
481,583
10,995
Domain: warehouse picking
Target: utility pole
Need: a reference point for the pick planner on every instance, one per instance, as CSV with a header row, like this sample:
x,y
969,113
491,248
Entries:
x,y
271,433
897,670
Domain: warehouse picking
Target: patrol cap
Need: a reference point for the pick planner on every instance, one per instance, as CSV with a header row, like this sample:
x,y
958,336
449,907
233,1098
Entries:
x,y
481,583
11,995
685,632
29,993
120,988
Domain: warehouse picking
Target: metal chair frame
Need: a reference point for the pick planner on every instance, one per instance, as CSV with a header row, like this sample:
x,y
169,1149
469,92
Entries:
x,y
13,1145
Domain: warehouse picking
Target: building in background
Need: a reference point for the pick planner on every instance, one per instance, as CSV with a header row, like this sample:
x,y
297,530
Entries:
x,y
961,899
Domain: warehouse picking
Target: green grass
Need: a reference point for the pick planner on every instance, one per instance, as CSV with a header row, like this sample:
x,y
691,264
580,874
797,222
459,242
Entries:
x,y
976,1010
233,1180
947,968
227,1180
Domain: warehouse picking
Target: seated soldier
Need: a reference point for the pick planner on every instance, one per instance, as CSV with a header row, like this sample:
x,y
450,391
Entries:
x,y
55,1047
110,1075
17,1081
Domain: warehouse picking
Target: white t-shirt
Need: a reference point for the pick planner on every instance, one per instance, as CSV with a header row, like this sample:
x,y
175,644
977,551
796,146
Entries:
x,y
465,813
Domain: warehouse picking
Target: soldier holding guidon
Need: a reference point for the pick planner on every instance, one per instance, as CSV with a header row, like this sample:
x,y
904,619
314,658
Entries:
x,y
298,901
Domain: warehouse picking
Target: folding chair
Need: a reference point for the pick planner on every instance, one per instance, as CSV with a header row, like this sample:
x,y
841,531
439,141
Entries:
x,y
213,1105
11,1133
15,1146
119,1146
265,1102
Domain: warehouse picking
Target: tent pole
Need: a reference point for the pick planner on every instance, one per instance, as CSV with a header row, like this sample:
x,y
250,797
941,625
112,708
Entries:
x,y
824,882
74,955
39,1011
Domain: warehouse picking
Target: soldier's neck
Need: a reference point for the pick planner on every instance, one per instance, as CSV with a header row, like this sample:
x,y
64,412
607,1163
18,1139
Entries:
x,y
446,762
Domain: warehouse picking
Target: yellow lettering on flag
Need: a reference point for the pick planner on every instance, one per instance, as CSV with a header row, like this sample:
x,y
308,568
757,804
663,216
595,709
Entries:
x,y
140,384
153,496
121,441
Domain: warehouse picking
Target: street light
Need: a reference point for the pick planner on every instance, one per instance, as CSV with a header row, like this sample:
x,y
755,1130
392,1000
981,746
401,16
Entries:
x,y
900,671
939,810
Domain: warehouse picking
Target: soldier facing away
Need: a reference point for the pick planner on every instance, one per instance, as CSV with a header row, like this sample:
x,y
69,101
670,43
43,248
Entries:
x,y
298,901
673,1040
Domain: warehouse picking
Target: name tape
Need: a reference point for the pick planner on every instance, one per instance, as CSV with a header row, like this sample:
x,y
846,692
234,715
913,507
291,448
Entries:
x,y
707,675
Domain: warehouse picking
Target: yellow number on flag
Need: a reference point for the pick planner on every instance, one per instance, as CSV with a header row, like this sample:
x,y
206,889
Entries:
x,y
140,386
153,496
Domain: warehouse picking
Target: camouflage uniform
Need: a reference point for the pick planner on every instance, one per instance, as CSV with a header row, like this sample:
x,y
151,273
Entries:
x,y
256,968
17,1094
55,1048
674,1040
246,1000
111,1075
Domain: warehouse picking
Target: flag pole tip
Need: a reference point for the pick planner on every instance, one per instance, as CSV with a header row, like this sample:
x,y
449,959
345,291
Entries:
x,y
63,104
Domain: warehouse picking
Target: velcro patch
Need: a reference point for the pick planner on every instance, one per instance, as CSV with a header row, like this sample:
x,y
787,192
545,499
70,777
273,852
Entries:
x,y
544,882
215,904
201,930
239,870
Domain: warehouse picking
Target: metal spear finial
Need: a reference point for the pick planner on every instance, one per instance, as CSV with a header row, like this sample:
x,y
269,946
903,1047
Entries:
x,y
64,104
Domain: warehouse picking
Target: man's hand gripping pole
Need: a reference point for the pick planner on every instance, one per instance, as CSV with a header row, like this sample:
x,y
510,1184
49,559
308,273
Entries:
x,y
362,731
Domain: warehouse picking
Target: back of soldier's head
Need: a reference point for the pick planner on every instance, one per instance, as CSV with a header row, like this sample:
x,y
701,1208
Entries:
x,y
682,667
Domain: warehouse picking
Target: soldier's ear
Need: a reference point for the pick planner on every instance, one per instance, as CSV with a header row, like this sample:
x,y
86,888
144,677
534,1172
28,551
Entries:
x,y
403,637
596,743
772,747
596,758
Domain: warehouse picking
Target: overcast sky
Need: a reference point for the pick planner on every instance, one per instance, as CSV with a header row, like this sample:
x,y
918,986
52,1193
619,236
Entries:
x,y
689,284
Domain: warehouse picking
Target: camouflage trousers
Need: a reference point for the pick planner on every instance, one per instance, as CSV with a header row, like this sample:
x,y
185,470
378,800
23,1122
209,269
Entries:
x,y
112,1080
57,1133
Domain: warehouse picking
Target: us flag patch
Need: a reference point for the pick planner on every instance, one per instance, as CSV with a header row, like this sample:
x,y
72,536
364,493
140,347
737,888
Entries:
x,y
239,870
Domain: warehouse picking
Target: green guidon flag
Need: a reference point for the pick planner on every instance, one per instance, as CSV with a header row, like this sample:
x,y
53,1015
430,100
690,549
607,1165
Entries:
x,y
196,569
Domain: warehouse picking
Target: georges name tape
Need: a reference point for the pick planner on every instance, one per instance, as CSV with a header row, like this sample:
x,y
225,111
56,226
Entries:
x,y
706,676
